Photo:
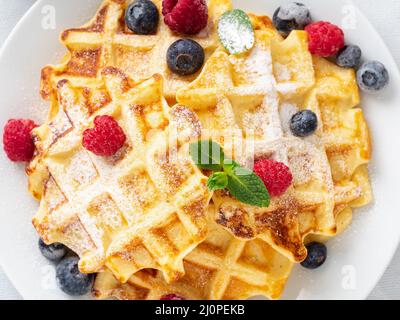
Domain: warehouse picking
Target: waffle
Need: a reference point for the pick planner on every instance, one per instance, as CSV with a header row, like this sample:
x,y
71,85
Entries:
x,y
222,267
144,207
332,93
142,218
241,94
254,95
348,145
106,41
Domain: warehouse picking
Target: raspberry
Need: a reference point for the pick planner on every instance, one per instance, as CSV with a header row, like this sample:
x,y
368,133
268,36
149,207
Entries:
x,y
17,140
325,39
106,138
275,175
172,296
185,16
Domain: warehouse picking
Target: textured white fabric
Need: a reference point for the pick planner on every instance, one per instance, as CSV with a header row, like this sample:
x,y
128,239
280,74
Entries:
x,y
386,19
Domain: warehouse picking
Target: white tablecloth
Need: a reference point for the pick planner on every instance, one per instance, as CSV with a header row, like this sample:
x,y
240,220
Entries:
x,y
385,17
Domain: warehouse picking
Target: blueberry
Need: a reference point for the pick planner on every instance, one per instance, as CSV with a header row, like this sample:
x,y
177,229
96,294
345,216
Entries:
x,y
316,255
185,57
291,16
372,76
142,17
349,57
71,280
53,252
304,123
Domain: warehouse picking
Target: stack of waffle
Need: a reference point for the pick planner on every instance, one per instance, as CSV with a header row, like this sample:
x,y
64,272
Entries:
x,y
144,219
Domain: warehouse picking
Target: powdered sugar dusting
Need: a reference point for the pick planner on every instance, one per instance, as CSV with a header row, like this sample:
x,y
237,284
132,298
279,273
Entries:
x,y
305,157
287,111
257,68
81,170
236,32
282,72
286,88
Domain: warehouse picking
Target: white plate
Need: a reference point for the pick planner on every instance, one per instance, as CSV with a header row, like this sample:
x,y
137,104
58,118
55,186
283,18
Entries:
x,y
357,259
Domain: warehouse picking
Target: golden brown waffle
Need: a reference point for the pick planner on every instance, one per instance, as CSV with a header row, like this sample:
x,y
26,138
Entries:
x,y
347,141
346,138
146,206
106,41
331,92
254,96
240,93
228,95
222,267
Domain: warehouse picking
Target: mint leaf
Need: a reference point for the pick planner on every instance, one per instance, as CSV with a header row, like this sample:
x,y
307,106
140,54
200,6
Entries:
x,y
229,165
242,183
236,31
207,155
217,181
247,187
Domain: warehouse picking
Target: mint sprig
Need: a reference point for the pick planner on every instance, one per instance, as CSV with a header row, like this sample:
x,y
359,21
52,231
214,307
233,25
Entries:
x,y
242,183
236,31
218,181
